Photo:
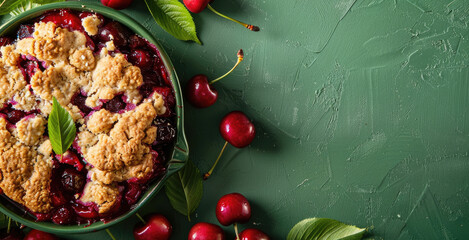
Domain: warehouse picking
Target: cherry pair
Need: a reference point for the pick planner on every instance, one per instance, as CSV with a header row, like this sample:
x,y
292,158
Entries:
x,y
231,209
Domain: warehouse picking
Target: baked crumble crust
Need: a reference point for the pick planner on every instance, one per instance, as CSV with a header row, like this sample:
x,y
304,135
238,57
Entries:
x,y
116,145
31,130
119,147
11,81
103,195
91,24
25,172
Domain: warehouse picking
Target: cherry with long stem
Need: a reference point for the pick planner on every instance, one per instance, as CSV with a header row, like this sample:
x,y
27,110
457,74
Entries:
x,y
236,129
200,92
248,26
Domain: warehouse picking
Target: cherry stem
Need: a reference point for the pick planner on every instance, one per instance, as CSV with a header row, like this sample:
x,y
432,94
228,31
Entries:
x,y
207,175
248,26
236,230
110,234
141,219
240,58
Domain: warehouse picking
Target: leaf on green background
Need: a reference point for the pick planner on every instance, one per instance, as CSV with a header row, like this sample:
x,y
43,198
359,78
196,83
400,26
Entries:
x,y
185,189
15,7
324,229
174,18
61,128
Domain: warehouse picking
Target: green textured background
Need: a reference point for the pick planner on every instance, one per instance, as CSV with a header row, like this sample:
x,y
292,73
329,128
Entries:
x,y
361,111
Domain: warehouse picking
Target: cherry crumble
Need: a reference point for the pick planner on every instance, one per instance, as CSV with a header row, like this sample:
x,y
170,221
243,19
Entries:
x,y
117,90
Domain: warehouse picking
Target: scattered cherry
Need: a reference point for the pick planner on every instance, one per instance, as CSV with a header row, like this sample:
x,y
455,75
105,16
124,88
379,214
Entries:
x,y
156,228
206,231
40,235
233,208
197,6
200,92
253,234
116,4
236,129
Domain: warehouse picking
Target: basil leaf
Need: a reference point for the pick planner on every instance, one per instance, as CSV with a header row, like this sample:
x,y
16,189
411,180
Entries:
x,y
185,189
61,128
324,229
174,18
25,5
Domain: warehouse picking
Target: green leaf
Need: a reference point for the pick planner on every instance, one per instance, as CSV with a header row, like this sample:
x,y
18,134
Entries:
x,y
3,221
174,18
324,229
6,6
15,7
61,128
185,189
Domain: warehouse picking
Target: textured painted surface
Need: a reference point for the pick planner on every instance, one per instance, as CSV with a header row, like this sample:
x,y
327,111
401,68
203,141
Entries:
x,y
361,108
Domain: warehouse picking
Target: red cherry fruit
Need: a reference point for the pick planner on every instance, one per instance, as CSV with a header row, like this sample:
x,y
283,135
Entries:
x,y
196,6
233,208
40,235
201,93
206,231
237,129
156,228
253,234
116,4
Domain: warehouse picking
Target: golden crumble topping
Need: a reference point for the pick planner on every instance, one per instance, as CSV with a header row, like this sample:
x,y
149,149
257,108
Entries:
x,y
113,75
11,81
91,24
119,147
116,145
103,195
30,130
25,173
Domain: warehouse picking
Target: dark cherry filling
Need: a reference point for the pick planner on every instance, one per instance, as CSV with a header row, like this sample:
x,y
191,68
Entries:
x,y
115,105
79,101
25,31
13,116
69,174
